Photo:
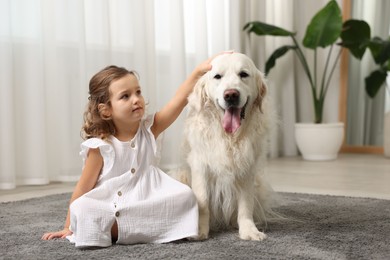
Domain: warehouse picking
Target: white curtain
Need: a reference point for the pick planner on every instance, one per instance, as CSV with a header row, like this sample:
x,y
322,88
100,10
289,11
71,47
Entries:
x,y
366,115
49,50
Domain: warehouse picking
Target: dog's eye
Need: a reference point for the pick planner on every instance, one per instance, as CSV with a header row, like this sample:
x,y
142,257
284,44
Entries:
x,y
243,74
217,76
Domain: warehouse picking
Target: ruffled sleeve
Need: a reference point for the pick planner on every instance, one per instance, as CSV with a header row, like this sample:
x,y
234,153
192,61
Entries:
x,y
157,144
106,150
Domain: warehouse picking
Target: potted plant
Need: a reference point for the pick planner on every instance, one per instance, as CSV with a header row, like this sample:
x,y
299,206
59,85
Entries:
x,y
316,141
380,52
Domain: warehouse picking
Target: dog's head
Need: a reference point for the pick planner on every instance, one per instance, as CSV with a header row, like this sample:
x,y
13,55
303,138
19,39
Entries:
x,y
234,86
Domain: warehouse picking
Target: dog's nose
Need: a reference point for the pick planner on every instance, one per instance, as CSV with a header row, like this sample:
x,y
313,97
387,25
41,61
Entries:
x,y
231,97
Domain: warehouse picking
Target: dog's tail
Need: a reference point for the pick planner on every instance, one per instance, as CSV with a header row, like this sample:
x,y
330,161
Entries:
x,y
266,200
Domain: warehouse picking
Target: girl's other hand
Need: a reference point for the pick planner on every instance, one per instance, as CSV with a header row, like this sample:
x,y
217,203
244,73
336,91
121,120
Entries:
x,y
59,234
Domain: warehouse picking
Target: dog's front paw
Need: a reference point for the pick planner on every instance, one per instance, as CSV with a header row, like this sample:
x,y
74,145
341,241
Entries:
x,y
204,225
250,232
203,232
201,236
253,235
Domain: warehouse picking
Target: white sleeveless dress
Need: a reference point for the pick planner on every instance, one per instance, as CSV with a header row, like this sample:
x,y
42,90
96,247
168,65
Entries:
x,y
148,205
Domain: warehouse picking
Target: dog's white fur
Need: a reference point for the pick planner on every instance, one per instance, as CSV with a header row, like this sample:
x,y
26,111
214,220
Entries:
x,y
225,169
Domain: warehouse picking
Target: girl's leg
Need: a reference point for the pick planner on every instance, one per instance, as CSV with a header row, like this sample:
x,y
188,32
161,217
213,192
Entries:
x,y
114,232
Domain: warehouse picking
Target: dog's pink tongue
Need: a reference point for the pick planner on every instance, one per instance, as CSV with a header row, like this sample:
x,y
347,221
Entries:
x,y
231,120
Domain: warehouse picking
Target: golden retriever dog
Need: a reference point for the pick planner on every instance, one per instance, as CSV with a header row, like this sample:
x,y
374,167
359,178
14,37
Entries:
x,y
225,144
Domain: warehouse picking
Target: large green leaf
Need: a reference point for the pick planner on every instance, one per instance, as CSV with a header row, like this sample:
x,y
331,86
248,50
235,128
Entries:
x,y
355,36
279,52
324,28
375,81
380,50
261,28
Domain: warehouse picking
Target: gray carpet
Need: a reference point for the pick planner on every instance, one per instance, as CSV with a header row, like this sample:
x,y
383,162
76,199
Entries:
x,y
320,227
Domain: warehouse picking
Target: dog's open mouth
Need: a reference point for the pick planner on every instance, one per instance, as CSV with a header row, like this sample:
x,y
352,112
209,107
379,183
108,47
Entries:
x,y
232,118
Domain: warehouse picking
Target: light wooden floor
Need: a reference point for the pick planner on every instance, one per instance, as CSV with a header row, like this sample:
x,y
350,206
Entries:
x,y
359,175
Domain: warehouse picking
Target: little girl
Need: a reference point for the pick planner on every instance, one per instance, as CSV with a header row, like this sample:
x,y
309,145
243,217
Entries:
x,y
121,195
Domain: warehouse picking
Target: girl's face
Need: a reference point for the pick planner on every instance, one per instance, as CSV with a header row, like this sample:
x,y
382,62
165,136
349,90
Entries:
x,y
127,102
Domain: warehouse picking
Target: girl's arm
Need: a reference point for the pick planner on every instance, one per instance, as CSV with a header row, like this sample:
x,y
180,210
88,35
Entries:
x,y
88,179
168,114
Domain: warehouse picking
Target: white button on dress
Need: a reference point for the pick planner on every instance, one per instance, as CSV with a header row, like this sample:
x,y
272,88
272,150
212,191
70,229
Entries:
x,y
148,205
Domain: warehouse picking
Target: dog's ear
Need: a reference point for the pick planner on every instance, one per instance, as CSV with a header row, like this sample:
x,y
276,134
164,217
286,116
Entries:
x,y
262,87
197,99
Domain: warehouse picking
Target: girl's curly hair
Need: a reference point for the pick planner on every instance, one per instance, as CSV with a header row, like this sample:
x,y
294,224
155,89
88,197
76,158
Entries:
x,y
95,123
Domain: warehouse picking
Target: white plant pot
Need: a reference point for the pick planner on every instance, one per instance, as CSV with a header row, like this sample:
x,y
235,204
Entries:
x,y
386,135
386,123
319,142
